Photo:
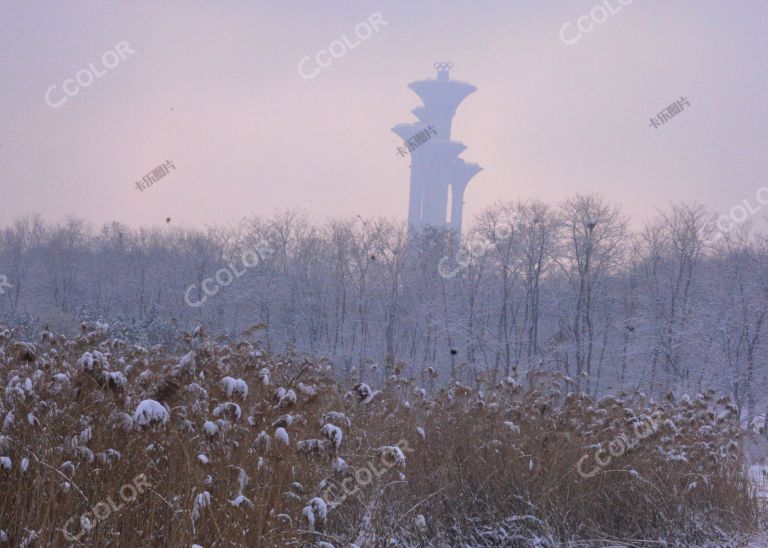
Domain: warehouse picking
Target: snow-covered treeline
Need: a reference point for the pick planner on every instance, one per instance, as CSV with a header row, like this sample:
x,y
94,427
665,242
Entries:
x,y
676,304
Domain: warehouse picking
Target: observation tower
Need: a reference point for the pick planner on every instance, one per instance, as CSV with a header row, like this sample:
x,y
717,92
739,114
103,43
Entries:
x,y
438,176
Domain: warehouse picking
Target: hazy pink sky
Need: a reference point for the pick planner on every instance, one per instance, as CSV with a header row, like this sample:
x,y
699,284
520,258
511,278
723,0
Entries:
x,y
249,135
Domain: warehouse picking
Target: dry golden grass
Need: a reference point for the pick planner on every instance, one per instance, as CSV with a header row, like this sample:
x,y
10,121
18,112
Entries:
x,y
496,467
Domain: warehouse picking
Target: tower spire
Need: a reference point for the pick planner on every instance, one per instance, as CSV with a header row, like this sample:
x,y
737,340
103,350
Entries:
x,y
442,68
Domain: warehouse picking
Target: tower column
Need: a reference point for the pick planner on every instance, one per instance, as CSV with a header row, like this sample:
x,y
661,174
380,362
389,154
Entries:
x,y
457,205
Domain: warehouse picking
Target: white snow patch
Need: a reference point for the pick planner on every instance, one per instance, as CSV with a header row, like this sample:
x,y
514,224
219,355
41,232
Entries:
x,y
210,428
86,361
364,393
339,465
307,390
393,455
239,500
235,386
333,433
420,522
149,411
264,373
310,515
319,507
118,379
223,407
203,500
9,420
337,418
286,397
282,435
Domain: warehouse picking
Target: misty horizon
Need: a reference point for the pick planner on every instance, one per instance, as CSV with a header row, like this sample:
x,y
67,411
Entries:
x,y
550,117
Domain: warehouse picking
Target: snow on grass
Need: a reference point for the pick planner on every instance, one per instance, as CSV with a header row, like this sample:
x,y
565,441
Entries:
x,y
282,435
307,390
149,411
286,397
265,377
86,361
364,393
392,455
210,429
237,387
228,407
336,417
202,501
239,500
333,433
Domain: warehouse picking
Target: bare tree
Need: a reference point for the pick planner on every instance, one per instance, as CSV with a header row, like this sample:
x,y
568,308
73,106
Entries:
x,y
595,234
